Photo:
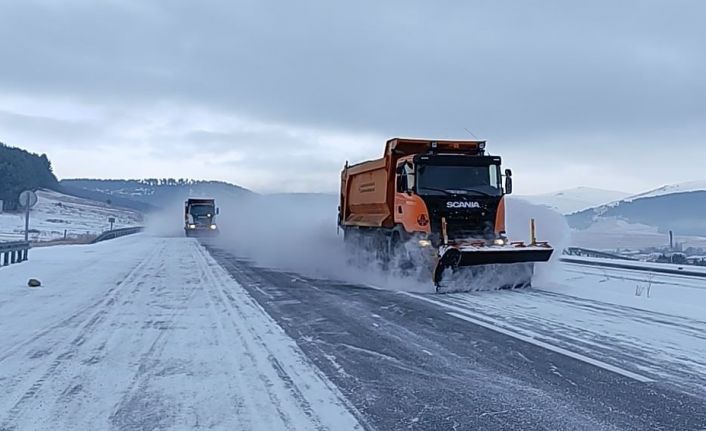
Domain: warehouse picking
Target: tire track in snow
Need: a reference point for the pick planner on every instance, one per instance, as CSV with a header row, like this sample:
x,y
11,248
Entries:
x,y
238,320
76,339
73,317
217,298
123,412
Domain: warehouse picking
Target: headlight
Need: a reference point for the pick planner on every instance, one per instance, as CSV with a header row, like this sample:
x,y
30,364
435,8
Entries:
x,y
499,241
424,243
192,226
213,226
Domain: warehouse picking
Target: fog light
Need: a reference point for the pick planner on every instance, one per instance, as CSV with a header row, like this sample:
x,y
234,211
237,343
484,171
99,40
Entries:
x,y
213,226
499,241
424,243
192,226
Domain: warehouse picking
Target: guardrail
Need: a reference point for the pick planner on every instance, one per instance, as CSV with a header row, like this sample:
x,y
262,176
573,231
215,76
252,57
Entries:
x,y
578,251
14,252
637,266
116,233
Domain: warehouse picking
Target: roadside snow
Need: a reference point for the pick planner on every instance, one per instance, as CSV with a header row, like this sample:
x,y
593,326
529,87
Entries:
x,y
56,212
149,333
609,233
648,324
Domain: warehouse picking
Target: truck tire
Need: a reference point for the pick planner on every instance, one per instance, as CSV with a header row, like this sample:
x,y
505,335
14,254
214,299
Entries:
x,y
399,254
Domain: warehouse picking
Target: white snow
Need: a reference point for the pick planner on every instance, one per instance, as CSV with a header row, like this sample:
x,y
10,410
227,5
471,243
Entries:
x,y
576,199
690,186
646,324
609,233
644,266
56,212
149,333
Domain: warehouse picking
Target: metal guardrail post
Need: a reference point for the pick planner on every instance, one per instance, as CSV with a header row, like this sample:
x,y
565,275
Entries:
x,y
14,252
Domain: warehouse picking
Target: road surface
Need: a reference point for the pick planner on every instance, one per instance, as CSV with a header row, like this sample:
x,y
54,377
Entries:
x,y
147,333
486,360
143,333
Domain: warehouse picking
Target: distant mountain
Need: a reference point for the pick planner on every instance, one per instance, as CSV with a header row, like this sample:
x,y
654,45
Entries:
x,y
149,194
679,207
576,199
691,186
21,170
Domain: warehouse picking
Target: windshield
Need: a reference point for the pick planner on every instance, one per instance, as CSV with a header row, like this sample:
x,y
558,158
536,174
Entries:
x,y
461,179
202,210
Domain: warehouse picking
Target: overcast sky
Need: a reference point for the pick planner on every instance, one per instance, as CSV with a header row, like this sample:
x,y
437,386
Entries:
x,y
275,96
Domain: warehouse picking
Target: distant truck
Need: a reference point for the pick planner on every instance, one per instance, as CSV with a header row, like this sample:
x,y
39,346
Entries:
x,y
200,217
439,201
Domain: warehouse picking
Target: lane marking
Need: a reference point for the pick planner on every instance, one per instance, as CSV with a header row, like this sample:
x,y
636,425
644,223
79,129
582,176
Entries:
x,y
503,328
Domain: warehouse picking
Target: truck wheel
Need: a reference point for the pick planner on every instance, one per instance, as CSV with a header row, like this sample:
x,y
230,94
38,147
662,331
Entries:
x,y
380,247
399,255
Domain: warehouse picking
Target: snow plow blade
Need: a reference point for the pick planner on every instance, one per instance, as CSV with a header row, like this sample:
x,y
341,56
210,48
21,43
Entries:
x,y
509,266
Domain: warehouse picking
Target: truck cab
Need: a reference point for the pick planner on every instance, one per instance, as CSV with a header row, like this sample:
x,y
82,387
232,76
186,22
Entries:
x,y
200,217
445,196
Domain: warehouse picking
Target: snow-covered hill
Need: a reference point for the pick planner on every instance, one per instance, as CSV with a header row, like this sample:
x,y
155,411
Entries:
x,y
576,199
690,186
151,194
679,208
56,212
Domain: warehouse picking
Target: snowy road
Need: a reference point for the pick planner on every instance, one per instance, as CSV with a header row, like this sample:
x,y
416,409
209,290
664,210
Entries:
x,y
526,360
144,333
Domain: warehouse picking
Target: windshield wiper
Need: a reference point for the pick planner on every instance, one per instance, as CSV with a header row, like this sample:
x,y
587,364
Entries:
x,y
450,192
439,190
475,191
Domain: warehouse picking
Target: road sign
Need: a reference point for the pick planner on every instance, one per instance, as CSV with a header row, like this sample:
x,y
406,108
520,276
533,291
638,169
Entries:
x,y
111,220
28,199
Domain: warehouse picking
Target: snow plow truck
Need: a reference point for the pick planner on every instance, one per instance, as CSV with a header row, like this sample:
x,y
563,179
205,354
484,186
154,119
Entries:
x,y
200,217
441,205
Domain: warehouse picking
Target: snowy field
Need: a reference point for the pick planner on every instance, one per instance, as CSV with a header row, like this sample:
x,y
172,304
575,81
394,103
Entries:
x,y
611,233
149,333
56,212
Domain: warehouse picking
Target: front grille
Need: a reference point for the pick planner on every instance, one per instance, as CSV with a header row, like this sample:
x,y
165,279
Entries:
x,y
467,227
463,223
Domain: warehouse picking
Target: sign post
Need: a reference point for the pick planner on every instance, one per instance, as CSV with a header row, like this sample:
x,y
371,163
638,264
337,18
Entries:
x,y
111,220
28,199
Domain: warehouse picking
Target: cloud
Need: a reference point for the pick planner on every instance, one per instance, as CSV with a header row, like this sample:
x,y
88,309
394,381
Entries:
x,y
290,75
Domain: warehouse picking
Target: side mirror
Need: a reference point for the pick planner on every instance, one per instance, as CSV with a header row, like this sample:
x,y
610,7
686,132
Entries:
x,y
508,181
218,211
